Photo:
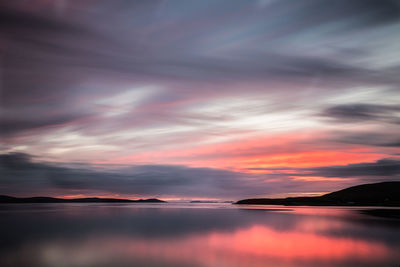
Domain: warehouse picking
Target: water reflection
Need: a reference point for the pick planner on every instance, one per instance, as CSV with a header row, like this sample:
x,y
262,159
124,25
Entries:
x,y
140,235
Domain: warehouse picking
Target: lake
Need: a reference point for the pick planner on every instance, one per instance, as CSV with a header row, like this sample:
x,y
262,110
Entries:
x,y
195,235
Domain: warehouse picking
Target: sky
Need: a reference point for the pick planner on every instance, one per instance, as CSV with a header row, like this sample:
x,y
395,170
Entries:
x,y
204,99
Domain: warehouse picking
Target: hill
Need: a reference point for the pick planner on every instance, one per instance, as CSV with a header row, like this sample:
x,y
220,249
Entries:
x,y
378,194
8,199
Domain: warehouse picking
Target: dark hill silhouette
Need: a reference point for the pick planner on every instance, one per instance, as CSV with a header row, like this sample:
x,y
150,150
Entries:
x,y
378,194
8,199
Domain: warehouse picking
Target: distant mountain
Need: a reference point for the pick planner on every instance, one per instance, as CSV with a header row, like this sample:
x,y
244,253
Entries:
x,y
378,194
8,199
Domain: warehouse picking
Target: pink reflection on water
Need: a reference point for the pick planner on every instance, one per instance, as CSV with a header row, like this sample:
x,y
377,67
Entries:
x,y
262,241
254,246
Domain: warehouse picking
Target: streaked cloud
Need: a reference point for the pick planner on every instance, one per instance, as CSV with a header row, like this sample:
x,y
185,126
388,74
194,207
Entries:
x,y
227,86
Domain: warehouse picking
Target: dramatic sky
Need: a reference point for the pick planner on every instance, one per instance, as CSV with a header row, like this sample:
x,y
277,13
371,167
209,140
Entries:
x,y
198,99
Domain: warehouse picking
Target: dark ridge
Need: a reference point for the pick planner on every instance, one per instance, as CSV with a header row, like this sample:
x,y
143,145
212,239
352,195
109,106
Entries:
x,y
8,199
378,194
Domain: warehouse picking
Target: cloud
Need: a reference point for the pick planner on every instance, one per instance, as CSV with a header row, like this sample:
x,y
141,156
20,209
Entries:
x,y
389,138
382,169
23,176
173,44
364,112
97,81
365,13
13,125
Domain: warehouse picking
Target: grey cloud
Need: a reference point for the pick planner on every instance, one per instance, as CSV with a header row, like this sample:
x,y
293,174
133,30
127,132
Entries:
x,y
21,175
383,168
363,112
369,13
15,21
10,126
142,51
388,139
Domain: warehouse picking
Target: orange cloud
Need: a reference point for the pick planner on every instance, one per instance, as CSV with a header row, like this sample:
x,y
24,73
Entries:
x,y
291,150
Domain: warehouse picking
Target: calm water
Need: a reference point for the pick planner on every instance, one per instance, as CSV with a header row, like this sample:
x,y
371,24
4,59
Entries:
x,y
194,235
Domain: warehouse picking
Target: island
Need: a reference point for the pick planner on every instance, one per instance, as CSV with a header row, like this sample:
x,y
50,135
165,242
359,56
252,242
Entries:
x,y
9,199
376,194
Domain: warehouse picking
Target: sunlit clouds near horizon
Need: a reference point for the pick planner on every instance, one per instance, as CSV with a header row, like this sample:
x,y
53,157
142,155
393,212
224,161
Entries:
x,y
198,99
